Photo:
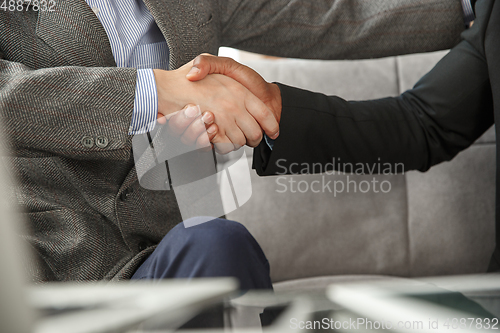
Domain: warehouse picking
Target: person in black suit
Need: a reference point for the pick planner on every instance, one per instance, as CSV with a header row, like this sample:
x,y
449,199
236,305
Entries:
x,y
446,111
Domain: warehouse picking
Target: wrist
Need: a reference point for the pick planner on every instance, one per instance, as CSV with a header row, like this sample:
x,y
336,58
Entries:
x,y
166,90
145,103
468,11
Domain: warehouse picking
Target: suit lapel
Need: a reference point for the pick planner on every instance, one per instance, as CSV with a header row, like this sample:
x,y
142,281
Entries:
x,y
179,23
163,12
73,31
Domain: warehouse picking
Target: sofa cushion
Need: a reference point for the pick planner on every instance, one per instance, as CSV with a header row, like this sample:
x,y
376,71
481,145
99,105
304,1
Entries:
x,y
322,282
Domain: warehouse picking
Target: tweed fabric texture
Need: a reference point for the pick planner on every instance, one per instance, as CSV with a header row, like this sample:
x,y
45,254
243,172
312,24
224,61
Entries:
x,y
88,217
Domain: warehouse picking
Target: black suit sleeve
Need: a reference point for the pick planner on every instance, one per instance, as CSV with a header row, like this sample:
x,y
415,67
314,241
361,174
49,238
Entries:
x,y
446,111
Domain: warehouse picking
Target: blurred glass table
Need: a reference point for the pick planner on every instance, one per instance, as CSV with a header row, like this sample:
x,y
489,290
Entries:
x,y
124,306
468,303
443,304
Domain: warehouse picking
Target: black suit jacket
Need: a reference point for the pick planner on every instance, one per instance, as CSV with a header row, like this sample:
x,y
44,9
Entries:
x,y
446,111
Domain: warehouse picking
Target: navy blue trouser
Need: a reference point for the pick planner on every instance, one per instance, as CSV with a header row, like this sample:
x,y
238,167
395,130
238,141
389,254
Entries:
x,y
212,249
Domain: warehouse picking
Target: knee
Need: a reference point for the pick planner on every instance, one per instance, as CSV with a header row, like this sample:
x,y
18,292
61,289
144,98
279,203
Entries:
x,y
217,237
218,233
215,248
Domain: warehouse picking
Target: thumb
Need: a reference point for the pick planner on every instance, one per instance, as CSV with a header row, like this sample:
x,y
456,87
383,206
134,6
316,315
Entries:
x,y
205,64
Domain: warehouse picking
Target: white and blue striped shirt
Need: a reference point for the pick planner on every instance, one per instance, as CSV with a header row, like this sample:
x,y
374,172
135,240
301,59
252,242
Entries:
x,y
468,12
136,41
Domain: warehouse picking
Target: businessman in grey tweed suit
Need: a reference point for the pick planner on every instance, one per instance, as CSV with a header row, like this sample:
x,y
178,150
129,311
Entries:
x,y
88,218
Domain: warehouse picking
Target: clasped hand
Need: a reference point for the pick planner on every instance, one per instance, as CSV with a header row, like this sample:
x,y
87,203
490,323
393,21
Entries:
x,y
220,101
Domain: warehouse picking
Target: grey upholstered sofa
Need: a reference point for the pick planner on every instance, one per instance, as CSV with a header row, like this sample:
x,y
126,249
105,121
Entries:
x,y
435,223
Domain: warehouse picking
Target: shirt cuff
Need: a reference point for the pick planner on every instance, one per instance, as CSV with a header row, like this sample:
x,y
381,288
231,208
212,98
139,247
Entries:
x,y
468,12
269,141
145,103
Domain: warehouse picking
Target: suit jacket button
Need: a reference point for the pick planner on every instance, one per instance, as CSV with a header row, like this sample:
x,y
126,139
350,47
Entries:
x,y
126,193
101,141
88,141
143,245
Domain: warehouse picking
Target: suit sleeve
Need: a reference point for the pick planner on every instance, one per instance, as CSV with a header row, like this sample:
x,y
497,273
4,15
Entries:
x,y
446,111
48,112
341,29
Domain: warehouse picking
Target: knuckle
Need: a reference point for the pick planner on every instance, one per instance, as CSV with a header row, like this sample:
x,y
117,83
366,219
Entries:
x,y
260,114
217,138
255,136
265,113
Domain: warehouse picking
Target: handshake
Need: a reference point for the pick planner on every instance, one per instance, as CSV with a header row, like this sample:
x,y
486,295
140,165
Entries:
x,y
195,151
221,101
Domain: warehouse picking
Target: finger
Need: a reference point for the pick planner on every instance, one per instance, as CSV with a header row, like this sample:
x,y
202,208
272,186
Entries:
x,y
208,118
195,129
170,115
162,119
181,120
202,67
263,115
204,141
199,128
231,130
250,128
222,144
205,64
212,131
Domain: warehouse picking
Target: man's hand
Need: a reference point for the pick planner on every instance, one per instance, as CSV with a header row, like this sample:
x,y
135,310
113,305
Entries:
x,y
268,93
193,127
240,115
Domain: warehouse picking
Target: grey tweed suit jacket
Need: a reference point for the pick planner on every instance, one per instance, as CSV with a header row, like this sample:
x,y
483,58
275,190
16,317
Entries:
x,y
87,216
